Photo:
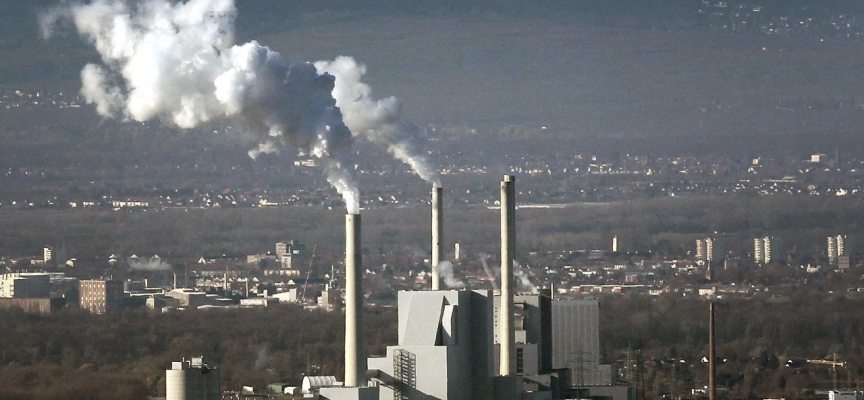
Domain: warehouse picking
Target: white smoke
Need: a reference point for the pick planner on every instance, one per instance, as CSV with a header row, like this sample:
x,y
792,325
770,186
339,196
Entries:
x,y
148,264
380,121
483,258
177,61
267,147
445,272
262,357
524,282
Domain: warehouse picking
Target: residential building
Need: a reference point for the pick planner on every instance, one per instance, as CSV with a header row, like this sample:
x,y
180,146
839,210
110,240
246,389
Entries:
x,y
836,248
710,250
843,262
766,249
287,251
48,255
100,296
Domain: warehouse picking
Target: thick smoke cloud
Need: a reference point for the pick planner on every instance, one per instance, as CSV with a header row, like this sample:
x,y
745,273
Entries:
x,y
380,121
178,62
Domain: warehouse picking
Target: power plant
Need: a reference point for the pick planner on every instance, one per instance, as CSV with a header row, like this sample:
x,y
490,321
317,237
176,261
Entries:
x,y
466,344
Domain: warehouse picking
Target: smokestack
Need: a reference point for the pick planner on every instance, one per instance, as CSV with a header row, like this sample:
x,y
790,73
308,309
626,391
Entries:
x,y
507,365
712,390
437,232
355,361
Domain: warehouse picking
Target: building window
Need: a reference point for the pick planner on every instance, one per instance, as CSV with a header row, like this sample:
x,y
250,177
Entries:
x,y
520,360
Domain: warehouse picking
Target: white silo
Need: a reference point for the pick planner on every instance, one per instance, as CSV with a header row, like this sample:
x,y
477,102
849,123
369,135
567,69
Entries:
x,y
193,380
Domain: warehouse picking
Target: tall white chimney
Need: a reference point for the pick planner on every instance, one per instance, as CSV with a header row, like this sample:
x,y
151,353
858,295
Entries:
x,y
355,360
437,232
507,364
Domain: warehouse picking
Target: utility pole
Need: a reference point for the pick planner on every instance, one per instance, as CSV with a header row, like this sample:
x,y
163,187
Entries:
x,y
629,369
674,390
640,376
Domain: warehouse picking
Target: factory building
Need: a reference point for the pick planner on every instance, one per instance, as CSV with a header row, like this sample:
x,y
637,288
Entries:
x,y
192,380
576,342
25,286
532,333
444,351
448,349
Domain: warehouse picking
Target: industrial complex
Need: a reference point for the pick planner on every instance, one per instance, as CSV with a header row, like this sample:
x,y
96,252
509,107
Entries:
x,y
454,344
470,344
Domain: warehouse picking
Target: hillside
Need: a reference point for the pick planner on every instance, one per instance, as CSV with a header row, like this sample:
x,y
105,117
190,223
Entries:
x,y
632,76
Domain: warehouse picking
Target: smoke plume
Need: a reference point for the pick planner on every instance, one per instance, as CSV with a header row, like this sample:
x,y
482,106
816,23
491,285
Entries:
x,y
148,264
445,272
177,61
483,258
524,282
262,357
380,121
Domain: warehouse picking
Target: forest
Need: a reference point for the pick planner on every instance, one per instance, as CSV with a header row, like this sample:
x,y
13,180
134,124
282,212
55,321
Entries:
x,y
53,357
755,341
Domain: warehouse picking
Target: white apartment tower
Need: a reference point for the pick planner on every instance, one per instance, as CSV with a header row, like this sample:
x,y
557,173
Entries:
x,y
48,254
836,248
766,249
709,249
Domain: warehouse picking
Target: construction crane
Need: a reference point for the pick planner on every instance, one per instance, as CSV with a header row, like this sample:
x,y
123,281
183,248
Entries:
x,y
308,273
834,364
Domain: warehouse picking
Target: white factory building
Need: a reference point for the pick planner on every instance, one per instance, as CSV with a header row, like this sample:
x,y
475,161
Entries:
x,y
444,349
448,350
